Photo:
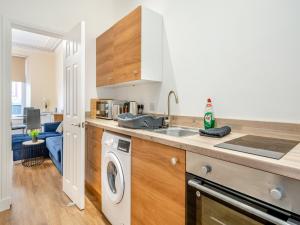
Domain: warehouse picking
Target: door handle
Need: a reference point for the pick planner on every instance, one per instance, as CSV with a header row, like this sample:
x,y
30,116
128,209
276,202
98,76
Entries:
x,y
238,204
76,124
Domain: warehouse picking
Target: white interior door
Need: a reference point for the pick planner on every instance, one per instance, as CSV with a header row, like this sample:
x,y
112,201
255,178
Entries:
x,y
74,115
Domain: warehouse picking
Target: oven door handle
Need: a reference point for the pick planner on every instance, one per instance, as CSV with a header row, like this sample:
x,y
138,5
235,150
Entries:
x,y
238,204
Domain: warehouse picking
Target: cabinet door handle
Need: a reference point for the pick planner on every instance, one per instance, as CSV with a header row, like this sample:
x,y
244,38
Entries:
x,y
174,161
216,220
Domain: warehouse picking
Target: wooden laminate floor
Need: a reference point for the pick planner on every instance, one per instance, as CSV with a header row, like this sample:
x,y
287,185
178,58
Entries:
x,y
38,200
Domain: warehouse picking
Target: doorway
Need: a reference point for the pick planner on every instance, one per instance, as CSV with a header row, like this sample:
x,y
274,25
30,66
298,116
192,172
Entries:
x,y
37,77
37,98
72,81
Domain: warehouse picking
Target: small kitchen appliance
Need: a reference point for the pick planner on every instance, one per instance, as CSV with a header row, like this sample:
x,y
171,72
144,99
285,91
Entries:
x,y
133,108
104,109
116,111
116,178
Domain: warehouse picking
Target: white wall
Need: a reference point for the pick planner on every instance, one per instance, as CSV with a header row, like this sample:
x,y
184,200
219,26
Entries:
x,y
41,76
244,54
42,79
61,16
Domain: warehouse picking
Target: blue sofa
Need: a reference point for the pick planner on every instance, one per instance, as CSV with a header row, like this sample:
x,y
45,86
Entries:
x,y
55,147
49,132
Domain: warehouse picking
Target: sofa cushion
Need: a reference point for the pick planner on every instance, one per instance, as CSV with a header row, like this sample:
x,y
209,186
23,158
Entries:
x,y
60,128
20,137
17,139
51,127
55,145
46,135
26,137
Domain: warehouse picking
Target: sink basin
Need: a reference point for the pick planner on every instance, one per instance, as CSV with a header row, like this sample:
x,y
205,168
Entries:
x,y
176,131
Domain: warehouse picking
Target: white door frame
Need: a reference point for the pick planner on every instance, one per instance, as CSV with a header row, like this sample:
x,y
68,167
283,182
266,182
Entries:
x,y
5,115
6,159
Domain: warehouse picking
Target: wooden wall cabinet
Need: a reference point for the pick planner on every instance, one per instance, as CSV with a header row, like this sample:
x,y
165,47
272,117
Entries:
x,y
130,51
93,162
158,184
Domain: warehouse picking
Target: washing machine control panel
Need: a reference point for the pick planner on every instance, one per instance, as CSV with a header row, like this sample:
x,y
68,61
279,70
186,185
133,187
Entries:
x,y
123,145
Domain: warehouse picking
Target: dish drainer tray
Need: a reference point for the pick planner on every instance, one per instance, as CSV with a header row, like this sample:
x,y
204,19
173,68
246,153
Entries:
x,y
129,120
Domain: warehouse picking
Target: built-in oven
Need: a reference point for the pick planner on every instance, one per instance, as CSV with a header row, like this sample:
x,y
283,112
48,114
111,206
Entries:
x,y
209,203
222,193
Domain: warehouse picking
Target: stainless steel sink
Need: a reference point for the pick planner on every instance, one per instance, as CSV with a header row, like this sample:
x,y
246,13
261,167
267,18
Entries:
x,y
176,131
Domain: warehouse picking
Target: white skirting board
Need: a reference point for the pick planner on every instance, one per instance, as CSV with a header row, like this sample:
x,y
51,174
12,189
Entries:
x,y
5,204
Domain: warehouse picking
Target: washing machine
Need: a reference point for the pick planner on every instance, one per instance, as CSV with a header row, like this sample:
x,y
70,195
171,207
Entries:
x,y
116,178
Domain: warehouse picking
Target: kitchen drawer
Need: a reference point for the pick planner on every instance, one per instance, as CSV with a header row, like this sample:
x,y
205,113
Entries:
x,y
214,213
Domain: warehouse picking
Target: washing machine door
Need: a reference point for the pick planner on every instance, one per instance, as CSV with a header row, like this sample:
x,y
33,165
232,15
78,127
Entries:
x,y
113,178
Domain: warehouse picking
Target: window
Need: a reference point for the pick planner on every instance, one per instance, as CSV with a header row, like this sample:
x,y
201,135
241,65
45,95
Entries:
x,y
18,98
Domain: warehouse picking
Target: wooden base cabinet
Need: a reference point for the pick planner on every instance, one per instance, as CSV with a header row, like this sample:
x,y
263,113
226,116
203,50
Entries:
x,y
93,163
58,117
130,51
158,184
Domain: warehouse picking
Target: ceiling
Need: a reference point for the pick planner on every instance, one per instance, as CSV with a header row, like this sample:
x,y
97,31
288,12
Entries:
x,y
27,39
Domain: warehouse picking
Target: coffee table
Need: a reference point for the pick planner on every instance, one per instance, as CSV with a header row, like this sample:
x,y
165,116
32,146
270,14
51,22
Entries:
x,y
32,152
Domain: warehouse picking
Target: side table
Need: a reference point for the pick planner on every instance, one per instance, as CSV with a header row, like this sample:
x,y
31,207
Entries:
x,y
32,152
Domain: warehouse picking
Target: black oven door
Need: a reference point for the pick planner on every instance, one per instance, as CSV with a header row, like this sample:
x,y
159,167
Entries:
x,y
212,204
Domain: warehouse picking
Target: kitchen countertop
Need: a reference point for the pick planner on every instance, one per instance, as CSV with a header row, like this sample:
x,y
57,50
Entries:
x,y
288,165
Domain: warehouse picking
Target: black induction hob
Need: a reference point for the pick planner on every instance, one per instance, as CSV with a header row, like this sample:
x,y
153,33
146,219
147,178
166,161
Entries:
x,y
274,148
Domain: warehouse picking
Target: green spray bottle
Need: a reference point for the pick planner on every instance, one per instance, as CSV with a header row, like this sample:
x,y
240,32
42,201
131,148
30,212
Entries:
x,y
209,118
